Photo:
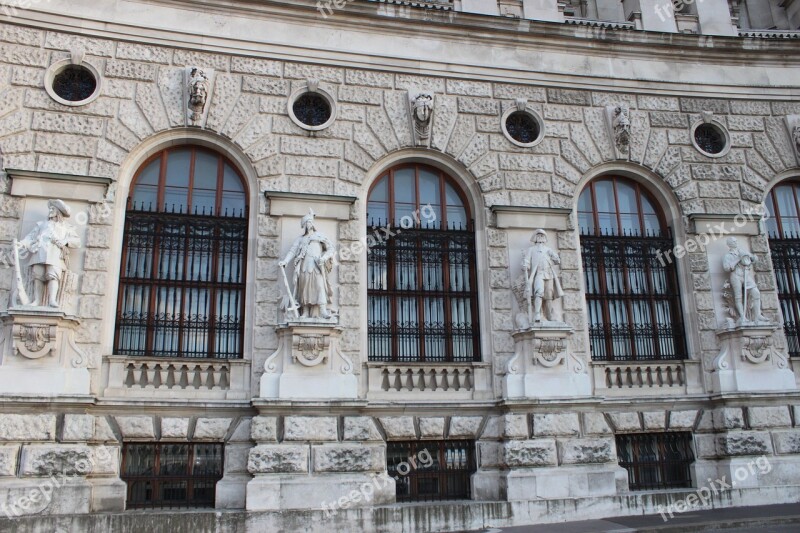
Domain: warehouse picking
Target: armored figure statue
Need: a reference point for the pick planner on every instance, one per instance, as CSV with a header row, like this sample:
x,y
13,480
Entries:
x,y
312,255
542,285
198,94
743,294
796,138
46,250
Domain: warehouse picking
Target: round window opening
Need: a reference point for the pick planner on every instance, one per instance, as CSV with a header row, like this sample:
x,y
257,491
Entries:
x,y
710,139
522,127
75,83
312,109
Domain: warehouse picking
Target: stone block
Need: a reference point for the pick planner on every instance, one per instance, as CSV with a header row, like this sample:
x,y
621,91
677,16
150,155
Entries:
x,y
515,426
744,443
625,421
136,427
493,428
212,428
654,420
432,428
46,459
78,428
27,427
310,428
553,424
682,419
264,429
768,417
8,460
398,427
490,455
538,452
728,418
349,458
174,428
586,451
361,428
786,441
278,459
595,424
103,431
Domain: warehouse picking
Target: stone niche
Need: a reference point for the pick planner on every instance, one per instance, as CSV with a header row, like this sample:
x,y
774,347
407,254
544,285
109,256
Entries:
x,y
38,353
544,364
751,356
308,363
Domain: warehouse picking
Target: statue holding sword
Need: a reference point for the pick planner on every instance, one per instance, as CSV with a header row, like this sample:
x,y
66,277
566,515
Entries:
x,y
542,286
312,256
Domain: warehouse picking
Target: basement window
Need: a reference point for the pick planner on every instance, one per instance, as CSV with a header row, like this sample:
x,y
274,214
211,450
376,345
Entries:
x,y
177,474
656,461
431,470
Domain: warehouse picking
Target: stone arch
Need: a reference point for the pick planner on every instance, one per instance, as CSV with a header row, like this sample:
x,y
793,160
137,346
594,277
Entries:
x,y
469,186
671,208
128,169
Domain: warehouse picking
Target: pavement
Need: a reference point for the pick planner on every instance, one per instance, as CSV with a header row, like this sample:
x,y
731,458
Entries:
x,y
762,519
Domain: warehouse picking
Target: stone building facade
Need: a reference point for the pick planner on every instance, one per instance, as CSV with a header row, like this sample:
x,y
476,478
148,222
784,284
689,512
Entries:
x,y
645,374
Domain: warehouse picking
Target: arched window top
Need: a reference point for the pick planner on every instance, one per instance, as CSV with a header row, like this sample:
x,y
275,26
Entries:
x,y
783,207
419,193
619,206
189,180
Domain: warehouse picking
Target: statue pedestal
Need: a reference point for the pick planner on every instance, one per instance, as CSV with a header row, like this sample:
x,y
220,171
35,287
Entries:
x,y
308,364
38,354
543,367
748,361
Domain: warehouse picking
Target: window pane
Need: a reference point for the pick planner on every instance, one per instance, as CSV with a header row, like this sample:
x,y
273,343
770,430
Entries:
x,y
204,194
626,198
429,188
176,191
145,192
405,189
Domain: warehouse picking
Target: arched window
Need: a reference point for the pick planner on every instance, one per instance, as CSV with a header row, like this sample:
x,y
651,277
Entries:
x,y
182,279
783,229
422,292
631,282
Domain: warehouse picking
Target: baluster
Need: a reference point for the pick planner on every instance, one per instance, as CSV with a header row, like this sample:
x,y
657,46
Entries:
x,y
433,381
130,379
456,382
197,379
445,381
409,379
420,379
385,379
217,376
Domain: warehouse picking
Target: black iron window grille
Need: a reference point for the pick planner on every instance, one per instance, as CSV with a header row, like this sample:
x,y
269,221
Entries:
x,y
421,281
171,474
431,470
74,83
630,278
182,283
522,127
656,460
709,138
312,109
783,228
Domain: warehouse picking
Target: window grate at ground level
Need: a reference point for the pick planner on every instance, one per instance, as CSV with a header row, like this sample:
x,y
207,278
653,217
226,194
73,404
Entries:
x,y
171,474
433,470
656,460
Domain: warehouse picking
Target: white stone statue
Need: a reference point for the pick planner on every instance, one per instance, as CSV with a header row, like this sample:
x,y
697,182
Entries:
x,y
740,291
198,94
796,137
421,113
312,254
622,128
45,249
542,286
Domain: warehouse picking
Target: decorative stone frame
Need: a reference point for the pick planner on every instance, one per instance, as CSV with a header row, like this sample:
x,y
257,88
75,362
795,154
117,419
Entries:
x,y
77,59
722,129
521,105
311,86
